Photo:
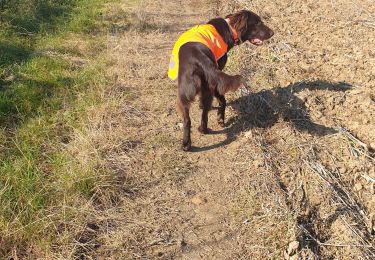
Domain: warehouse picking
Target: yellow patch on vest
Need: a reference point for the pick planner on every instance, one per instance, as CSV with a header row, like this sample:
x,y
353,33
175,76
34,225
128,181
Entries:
x,y
205,34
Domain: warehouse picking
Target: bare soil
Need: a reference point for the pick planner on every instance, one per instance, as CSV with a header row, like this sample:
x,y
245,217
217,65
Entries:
x,y
291,175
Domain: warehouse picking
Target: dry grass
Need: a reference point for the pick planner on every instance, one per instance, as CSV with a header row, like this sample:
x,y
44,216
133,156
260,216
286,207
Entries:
x,y
288,102
295,162
256,193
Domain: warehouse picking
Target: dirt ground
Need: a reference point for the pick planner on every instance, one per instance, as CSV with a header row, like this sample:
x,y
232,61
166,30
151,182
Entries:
x,y
291,175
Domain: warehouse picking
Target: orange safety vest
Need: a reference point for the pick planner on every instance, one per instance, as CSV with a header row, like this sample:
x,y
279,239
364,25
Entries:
x,y
206,34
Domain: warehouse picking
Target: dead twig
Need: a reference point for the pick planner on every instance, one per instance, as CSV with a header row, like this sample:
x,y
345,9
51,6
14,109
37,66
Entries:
x,y
330,244
352,208
368,178
355,140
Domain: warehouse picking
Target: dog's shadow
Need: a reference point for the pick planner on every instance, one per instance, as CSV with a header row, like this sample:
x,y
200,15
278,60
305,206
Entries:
x,y
265,108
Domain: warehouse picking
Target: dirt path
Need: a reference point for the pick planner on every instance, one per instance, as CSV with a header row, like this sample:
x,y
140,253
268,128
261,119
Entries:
x,y
244,192
187,205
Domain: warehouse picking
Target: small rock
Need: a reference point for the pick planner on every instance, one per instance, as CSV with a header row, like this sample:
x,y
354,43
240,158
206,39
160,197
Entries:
x,y
197,200
180,125
358,186
293,247
249,134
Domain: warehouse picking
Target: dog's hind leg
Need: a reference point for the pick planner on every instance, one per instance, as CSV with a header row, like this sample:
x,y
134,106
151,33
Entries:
x,y
180,109
206,99
221,109
186,141
183,110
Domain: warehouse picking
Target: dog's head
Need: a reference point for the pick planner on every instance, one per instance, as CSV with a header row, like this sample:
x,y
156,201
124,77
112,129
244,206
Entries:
x,y
250,27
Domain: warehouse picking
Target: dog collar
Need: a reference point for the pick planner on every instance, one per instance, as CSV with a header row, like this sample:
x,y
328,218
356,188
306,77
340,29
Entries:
x,y
233,32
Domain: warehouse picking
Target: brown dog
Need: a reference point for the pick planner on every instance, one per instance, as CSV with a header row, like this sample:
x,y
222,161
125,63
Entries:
x,y
199,57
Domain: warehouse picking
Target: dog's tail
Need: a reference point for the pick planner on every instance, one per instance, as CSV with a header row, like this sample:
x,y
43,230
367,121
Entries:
x,y
221,81
226,83
217,79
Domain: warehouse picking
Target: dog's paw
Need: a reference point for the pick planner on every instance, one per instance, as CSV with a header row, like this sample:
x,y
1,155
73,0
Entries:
x,y
221,122
186,146
203,130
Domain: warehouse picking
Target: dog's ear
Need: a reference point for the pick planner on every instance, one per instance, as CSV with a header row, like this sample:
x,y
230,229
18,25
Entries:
x,y
239,21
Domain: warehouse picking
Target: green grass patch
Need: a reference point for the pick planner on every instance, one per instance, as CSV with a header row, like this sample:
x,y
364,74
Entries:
x,y
43,95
